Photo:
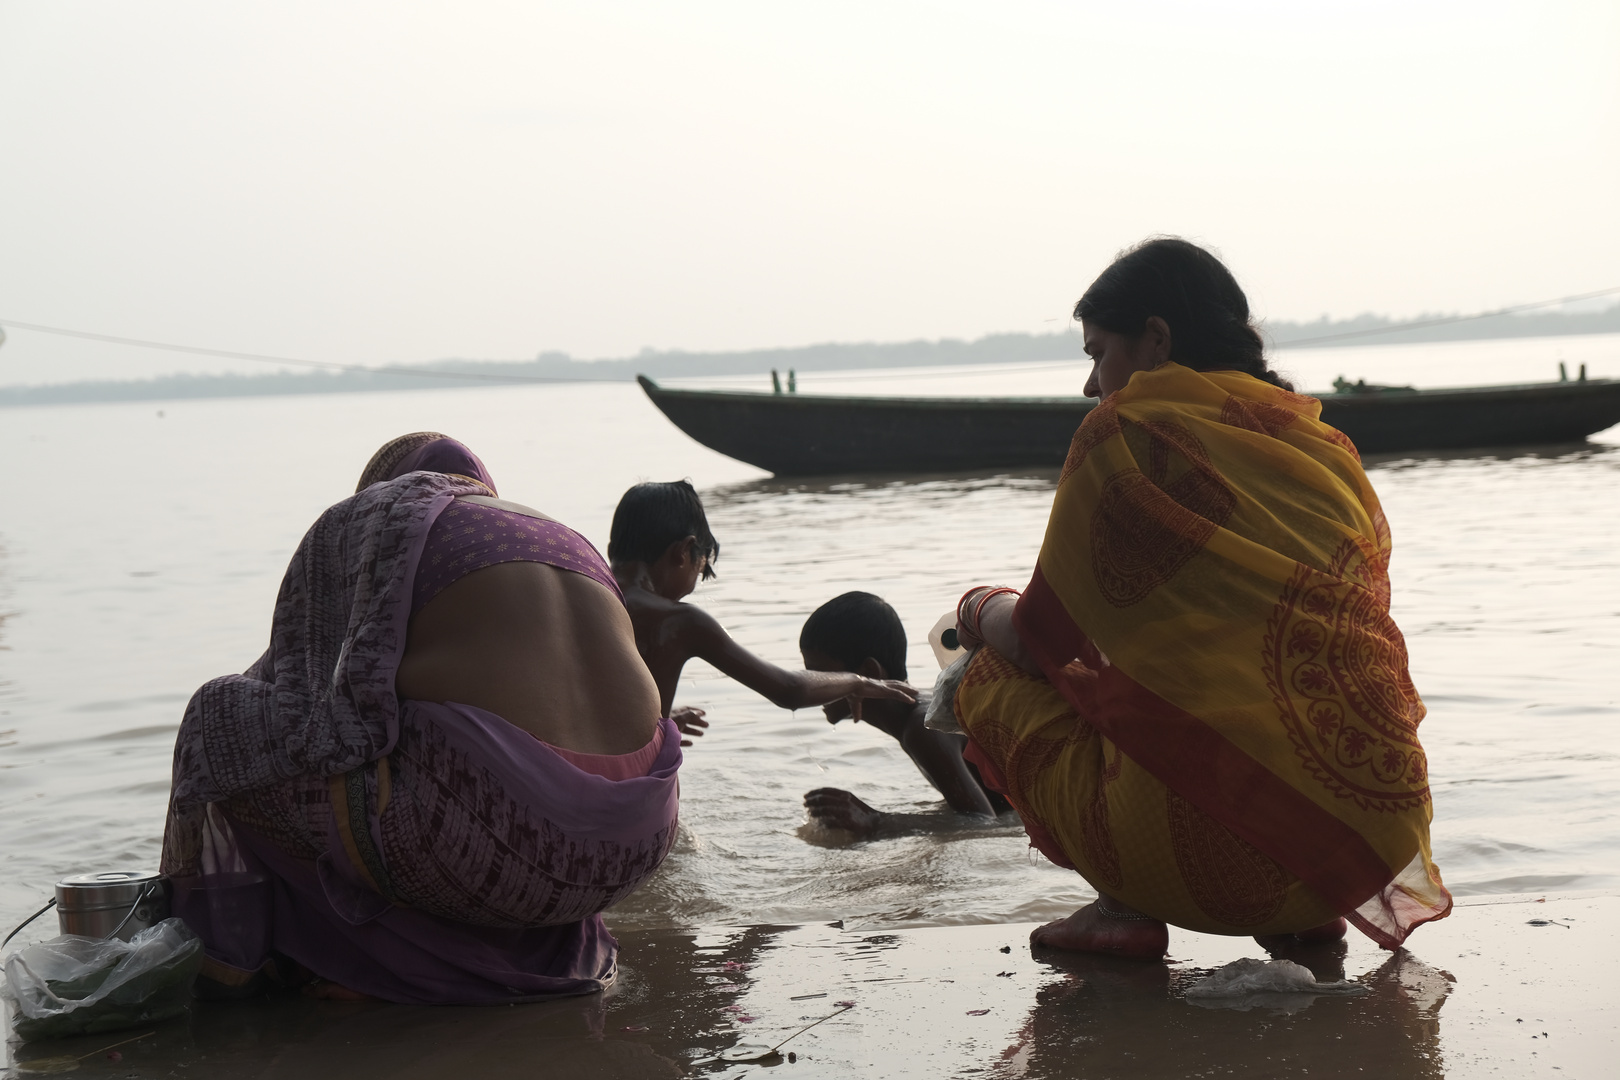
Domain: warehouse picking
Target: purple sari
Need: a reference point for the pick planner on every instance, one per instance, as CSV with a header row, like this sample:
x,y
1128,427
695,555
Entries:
x,y
412,851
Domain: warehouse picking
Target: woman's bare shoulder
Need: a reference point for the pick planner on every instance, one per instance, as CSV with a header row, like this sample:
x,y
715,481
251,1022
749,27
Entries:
x,y
505,504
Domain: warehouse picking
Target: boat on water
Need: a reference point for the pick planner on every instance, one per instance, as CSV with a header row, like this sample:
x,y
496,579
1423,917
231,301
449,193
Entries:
x,y
818,434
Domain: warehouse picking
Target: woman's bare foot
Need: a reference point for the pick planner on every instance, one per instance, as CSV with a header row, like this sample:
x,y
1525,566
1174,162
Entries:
x,y
1326,934
327,990
1092,930
835,808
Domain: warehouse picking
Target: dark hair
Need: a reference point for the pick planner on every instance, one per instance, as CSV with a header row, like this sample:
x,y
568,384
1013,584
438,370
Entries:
x,y
854,626
650,517
1194,293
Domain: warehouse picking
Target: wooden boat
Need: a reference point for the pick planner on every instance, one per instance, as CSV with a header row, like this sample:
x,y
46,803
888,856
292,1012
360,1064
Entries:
x,y
815,434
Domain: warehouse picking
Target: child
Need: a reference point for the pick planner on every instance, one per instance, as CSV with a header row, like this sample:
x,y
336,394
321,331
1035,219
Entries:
x,y
859,632
659,547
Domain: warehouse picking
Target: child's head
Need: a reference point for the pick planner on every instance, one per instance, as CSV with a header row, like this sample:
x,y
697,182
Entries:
x,y
852,629
652,518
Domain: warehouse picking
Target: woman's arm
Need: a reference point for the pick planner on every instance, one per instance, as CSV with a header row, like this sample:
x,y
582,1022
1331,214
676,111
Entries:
x,y
708,640
994,627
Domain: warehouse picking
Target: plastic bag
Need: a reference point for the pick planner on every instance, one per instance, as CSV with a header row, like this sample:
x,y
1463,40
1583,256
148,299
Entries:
x,y
1265,984
72,985
941,714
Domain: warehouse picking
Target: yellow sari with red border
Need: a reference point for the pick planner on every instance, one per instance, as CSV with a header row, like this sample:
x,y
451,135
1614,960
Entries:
x,y
1226,736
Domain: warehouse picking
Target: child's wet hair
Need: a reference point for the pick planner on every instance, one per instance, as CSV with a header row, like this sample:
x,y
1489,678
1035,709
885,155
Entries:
x,y
854,626
650,517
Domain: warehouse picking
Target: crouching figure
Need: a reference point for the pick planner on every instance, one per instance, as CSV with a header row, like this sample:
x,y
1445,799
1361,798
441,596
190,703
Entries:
x,y
1200,701
447,764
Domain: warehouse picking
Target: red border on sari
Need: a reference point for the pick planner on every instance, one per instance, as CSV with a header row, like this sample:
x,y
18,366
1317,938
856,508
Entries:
x,y
1199,763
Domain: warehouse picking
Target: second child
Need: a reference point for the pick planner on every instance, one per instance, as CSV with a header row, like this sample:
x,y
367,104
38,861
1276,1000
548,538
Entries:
x,y
660,547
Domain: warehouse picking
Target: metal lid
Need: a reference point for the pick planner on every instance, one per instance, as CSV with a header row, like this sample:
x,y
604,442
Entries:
x,y
83,892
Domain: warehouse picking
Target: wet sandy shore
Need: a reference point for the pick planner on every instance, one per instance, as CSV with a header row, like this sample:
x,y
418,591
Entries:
x,y
1508,986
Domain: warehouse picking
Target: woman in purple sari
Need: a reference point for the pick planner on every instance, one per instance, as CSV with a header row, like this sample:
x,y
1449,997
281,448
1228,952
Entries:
x,y
448,763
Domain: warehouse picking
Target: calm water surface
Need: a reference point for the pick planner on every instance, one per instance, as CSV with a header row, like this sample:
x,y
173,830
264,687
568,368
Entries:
x,y
141,546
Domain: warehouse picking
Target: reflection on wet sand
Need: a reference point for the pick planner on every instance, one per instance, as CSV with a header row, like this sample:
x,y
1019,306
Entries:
x,y
688,1002
673,1008
1105,1017
1528,998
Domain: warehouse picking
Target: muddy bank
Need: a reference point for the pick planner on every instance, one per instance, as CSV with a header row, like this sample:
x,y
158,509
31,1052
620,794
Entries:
x,y
1519,986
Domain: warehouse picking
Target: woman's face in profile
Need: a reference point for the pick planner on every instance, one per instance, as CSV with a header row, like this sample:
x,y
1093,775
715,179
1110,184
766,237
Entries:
x,y
1116,357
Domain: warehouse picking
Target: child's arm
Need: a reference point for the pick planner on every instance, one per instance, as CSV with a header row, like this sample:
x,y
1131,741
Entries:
x,y
939,756
704,637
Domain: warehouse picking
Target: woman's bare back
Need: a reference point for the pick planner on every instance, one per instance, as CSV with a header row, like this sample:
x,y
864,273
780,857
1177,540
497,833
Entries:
x,y
549,650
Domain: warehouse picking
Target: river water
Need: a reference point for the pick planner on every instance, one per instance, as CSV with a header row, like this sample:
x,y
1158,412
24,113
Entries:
x,y
141,546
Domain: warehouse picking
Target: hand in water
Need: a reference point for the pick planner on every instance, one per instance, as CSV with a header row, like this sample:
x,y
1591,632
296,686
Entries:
x,y
837,809
690,721
880,690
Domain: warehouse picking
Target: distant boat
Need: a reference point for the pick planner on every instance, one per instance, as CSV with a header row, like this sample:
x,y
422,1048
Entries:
x,y
818,434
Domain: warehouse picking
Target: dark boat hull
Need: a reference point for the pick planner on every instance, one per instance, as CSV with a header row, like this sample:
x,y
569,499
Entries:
x,y
808,434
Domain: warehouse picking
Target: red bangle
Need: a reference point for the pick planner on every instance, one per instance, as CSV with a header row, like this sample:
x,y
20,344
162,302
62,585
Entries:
x,y
972,622
962,605
978,610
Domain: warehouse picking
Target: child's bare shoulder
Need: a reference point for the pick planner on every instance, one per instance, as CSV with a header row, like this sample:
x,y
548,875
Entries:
x,y
674,616
691,618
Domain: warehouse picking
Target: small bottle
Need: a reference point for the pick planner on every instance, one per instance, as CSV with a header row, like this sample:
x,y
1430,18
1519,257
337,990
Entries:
x,y
776,382
942,640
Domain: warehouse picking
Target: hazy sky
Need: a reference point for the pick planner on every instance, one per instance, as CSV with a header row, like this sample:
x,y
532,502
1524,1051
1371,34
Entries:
x,y
400,182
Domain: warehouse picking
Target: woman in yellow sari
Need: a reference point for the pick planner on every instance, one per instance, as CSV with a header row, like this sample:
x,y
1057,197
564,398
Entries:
x,y
1200,702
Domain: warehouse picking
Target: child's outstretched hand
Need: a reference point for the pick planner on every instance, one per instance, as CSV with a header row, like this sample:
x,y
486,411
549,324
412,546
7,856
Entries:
x,y
690,721
881,690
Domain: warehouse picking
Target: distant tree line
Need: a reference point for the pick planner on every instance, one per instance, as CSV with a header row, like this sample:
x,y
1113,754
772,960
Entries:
x,y
992,349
